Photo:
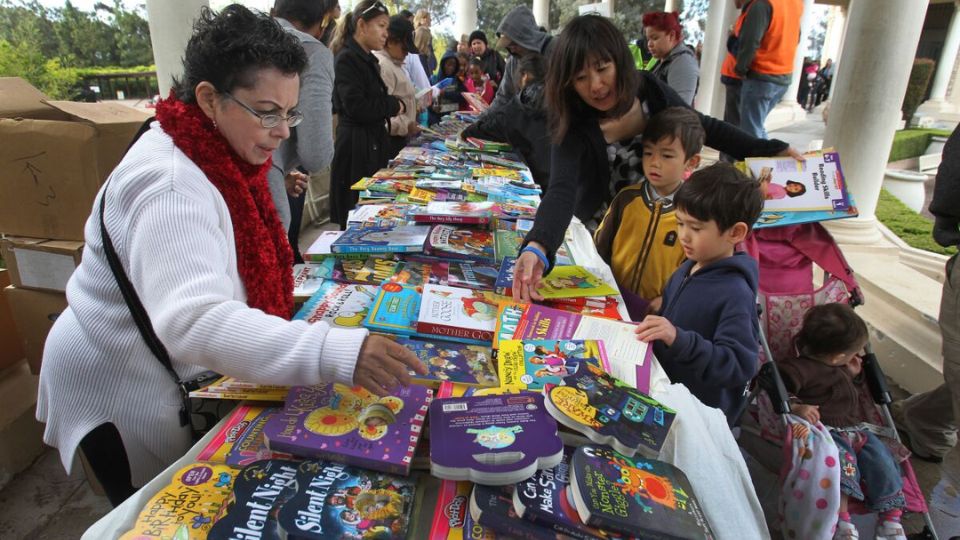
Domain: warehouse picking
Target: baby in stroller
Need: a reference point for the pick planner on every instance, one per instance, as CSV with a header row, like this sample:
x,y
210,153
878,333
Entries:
x,y
824,377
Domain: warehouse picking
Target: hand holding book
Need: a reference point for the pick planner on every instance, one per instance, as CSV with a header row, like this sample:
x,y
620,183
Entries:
x,y
382,365
527,274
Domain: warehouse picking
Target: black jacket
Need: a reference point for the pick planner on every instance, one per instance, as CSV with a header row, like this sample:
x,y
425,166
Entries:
x,y
522,122
580,171
363,107
493,64
945,205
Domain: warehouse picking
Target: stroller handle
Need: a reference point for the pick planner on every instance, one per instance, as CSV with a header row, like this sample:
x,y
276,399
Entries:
x,y
876,380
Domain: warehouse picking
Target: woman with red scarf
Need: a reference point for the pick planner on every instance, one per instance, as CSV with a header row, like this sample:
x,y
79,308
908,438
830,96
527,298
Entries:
x,y
190,219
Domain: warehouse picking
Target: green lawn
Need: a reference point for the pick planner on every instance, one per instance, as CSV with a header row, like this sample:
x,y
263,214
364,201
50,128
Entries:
x,y
910,226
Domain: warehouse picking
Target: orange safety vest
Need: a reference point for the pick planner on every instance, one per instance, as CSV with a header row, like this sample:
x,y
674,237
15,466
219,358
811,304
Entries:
x,y
779,44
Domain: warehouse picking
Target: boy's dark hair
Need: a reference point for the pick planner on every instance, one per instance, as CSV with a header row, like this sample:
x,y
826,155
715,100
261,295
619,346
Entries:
x,y
406,14
476,61
305,12
532,64
586,38
830,329
678,123
720,193
227,49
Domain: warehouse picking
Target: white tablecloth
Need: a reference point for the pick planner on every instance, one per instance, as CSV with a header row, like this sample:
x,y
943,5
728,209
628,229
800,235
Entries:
x,y
700,443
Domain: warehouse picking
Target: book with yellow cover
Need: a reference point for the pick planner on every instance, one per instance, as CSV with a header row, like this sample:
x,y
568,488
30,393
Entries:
x,y
573,282
534,363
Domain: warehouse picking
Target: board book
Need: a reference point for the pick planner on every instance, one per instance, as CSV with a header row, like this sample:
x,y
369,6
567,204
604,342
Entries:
x,y
382,239
492,508
815,184
351,425
251,444
470,365
533,364
451,511
335,501
341,305
259,490
494,440
610,412
461,243
461,314
185,508
573,282
233,427
634,495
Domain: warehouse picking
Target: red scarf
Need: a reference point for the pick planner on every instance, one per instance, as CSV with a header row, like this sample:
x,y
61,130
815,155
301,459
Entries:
x,y
264,258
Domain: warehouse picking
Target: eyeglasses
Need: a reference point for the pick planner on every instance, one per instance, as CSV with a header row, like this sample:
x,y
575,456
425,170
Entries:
x,y
269,120
377,6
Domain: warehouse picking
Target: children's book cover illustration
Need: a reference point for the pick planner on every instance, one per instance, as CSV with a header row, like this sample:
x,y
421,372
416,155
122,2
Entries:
x,y
815,184
472,275
372,270
341,305
259,490
454,212
395,309
458,313
308,277
461,242
533,364
451,511
381,239
573,282
470,365
492,508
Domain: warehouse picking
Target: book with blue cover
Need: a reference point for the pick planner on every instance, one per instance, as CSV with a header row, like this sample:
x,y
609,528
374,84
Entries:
x,y
395,310
342,305
382,239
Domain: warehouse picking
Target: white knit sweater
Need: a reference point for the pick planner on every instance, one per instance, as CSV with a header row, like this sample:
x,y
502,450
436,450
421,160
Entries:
x,y
173,234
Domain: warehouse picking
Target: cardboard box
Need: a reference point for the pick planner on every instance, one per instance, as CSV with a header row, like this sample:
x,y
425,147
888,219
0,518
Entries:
x,y
11,346
44,265
34,313
55,156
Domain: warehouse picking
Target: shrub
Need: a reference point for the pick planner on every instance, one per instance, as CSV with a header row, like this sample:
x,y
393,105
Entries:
x,y
920,77
911,227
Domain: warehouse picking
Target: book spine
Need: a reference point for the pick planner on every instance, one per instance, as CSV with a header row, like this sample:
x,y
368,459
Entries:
x,y
442,330
238,396
572,532
472,220
368,248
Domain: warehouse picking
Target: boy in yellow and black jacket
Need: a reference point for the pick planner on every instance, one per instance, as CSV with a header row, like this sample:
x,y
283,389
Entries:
x,y
638,235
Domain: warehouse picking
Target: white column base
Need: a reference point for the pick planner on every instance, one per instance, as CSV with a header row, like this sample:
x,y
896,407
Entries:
x,y
784,114
935,106
855,231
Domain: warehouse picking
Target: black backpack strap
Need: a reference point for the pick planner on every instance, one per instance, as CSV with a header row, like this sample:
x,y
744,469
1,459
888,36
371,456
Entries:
x,y
140,314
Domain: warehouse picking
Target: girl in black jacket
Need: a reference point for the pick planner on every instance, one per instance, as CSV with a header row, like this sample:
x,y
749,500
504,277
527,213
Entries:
x,y
598,105
360,99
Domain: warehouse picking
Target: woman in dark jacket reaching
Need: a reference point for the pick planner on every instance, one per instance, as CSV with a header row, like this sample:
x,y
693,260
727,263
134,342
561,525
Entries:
x,y
598,105
360,99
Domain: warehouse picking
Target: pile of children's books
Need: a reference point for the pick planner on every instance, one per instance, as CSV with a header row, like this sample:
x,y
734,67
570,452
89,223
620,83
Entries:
x,y
536,417
800,191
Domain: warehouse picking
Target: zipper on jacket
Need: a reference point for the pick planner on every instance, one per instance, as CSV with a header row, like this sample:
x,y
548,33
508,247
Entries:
x,y
647,244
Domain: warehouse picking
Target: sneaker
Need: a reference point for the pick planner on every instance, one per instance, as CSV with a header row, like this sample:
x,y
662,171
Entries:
x,y
845,531
891,530
899,420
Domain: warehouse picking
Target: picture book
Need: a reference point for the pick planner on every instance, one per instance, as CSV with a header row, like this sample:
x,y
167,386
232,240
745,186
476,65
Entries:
x,y
509,315
421,196
492,508
320,248
633,495
812,185
395,309
308,277
490,170
503,161
481,276
254,393
233,427
451,511
547,500
454,212
507,244
461,243
251,445
381,239
351,425
380,214
514,211
493,440
470,365
341,305
258,491
573,282
335,501
434,184
782,218
184,509
371,270
608,411
463,314
475,102
504,283
533,364
417,271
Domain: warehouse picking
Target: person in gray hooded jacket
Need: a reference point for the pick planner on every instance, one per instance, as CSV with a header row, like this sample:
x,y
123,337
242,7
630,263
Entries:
x,y
519,34
676,63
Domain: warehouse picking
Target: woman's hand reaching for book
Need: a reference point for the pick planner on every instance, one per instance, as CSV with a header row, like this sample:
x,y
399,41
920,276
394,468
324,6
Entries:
x,y
526,275
383,365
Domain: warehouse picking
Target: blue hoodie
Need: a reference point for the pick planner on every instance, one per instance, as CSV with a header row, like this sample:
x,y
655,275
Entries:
x,y
716,350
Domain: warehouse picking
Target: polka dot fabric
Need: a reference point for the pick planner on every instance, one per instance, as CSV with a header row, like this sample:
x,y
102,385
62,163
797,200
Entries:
x,y
810,494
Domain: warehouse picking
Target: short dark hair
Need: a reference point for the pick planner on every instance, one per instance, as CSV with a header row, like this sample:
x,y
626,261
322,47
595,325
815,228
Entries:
x,y
830,329
721,193
677,123
477,34
305,12
227,49
406,13
532,64
585,38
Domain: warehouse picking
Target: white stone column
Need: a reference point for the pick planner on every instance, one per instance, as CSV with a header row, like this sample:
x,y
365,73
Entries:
x,y
541,12
798,76
710,96
833,37
868,91
669,5
465,11
170,29
941,80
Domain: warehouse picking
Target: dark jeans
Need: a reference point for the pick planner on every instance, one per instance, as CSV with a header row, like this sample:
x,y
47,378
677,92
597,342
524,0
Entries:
x,y
104,451
296,218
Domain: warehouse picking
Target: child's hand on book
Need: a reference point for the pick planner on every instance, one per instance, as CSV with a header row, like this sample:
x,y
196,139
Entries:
x,y
382,365
655,327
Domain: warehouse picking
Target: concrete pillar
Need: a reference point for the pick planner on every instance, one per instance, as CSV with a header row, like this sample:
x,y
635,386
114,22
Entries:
x,y
541,12
945,70
465,11
170,29
798,76
670,5
868,91
710,96
832,39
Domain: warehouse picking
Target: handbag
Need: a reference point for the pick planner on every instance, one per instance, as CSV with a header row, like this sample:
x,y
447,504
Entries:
x,y
200,414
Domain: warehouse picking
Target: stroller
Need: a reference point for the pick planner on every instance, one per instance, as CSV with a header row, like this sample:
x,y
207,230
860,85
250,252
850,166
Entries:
x,y
786,256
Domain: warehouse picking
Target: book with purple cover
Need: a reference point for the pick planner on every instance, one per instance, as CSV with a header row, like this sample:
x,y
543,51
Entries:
x,y
351,425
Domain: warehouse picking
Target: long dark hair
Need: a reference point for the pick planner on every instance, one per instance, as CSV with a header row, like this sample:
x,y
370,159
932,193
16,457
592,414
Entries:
x,y
586,38
348,23
228,48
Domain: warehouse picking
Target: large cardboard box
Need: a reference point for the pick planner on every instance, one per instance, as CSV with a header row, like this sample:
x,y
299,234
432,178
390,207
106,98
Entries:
x,y
34,313
55,156
44,265
11,346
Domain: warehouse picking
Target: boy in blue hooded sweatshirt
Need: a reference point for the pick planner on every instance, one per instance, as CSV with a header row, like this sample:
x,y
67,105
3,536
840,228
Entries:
x,y
706,335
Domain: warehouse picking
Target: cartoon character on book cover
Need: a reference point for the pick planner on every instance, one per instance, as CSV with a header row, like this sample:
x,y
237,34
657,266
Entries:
x,y
454,362
471,242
